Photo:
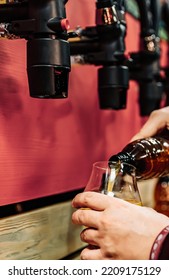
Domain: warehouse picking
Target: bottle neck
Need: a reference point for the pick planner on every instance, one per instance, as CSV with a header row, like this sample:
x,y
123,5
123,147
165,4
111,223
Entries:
x,y
126,158
122,157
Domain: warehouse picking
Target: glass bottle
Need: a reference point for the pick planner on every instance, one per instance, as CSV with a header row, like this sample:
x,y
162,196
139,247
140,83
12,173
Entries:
x,y
150,156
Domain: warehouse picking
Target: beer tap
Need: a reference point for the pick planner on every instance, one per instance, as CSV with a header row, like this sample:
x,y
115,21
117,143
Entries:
x,y
103,45
44,25
165,19
145,65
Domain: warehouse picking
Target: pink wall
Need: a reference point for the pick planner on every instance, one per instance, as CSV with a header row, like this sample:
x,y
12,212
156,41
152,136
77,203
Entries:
x,y
48,146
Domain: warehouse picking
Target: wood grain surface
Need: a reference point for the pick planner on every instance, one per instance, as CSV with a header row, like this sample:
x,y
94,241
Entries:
x,y
46,233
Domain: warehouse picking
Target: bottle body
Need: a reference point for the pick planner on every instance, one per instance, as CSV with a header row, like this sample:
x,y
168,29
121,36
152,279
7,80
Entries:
x,y
150,156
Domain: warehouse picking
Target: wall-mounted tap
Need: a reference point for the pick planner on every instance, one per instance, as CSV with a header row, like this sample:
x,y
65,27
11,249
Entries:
x,y
44,25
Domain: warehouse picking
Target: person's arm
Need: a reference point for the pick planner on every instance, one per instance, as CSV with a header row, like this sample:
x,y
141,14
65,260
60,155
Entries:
x,y
116,229
157,121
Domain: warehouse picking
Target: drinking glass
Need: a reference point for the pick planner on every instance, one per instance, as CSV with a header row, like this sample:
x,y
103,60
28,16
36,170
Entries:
x,y
116,179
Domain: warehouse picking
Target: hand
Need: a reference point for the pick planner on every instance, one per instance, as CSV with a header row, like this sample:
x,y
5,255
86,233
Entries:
x,y
158,120
116,229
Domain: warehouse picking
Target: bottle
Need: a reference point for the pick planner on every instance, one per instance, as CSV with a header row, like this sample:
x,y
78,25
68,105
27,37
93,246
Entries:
x,y
161,196
150,156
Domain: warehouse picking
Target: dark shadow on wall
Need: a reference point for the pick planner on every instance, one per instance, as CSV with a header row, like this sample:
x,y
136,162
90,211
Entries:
x,y
10,101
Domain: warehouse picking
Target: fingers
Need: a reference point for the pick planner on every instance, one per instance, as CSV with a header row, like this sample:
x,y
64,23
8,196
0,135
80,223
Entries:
x,y
87,218
151,127
156,122
146,131
91,253
90,205
93,200
90,236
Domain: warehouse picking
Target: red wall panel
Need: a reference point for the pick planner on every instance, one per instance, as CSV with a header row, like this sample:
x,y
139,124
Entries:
x,y
48,146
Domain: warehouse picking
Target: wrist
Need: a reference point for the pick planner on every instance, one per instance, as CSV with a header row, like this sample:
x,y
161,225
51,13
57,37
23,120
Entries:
x,y
160,248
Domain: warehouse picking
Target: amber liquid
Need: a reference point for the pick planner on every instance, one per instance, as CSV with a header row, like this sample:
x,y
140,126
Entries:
x,y
134,202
